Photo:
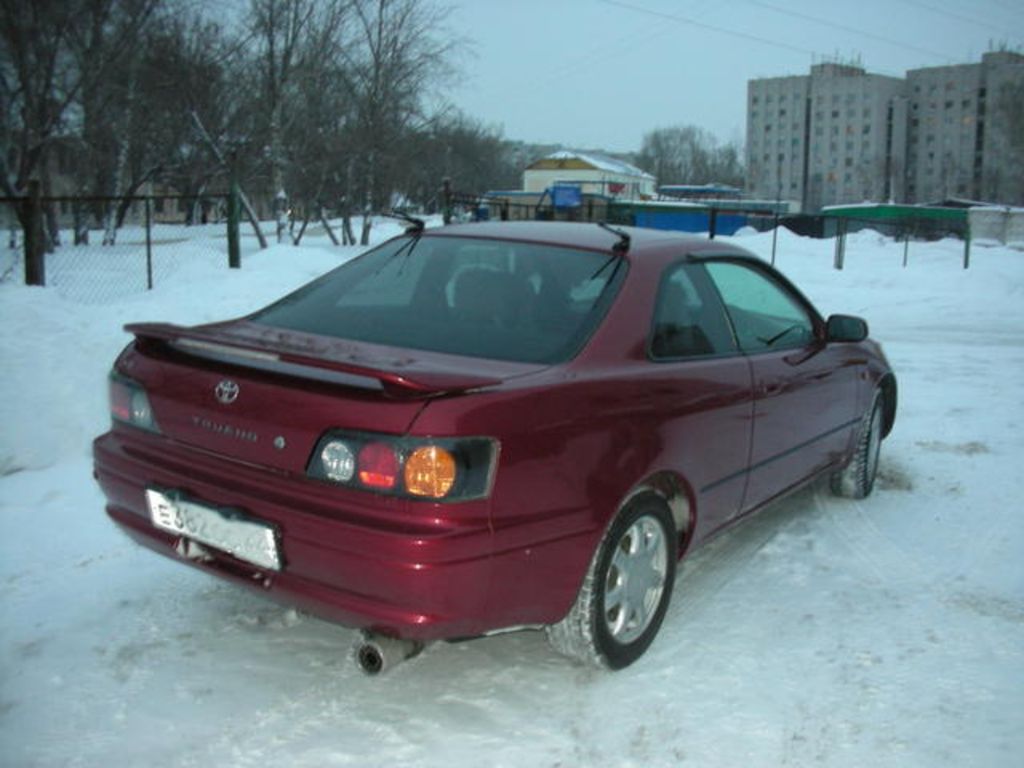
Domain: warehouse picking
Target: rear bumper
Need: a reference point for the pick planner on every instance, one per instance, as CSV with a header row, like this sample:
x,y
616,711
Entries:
x,y
409,569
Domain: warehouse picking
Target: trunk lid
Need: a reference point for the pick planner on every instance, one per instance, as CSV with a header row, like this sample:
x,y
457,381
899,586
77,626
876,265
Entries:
x,y
265,395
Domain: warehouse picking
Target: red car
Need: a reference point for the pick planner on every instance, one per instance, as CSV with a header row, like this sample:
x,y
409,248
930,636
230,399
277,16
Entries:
x,y
488,427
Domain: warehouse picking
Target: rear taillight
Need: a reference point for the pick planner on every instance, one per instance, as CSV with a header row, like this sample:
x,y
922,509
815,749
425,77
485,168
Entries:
x,y
378,466
439,469
129,404
430,471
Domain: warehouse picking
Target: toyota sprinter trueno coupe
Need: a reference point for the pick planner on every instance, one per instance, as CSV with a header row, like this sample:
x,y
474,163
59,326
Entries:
x,y
488,427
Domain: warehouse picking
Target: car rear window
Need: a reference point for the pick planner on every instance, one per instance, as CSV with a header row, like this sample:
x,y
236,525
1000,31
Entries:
x,y
497,299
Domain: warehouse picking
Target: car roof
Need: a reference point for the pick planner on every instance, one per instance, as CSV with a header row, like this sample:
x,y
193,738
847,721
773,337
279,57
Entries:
x,y
589,236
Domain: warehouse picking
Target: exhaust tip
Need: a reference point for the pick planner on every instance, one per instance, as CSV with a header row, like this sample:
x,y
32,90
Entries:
x,y
370,659
376,653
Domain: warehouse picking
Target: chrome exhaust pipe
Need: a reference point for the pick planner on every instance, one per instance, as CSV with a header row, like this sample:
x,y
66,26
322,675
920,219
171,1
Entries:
x,y
376,654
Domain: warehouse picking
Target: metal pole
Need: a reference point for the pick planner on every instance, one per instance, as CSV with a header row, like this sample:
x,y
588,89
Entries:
x,y
234,249
712,223
447,208
149,244
967,246
906,247
842,250
35,259
775,236
840,243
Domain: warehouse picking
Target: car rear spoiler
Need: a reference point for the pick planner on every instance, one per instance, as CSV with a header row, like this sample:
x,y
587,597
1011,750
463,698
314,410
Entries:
x,y
327,365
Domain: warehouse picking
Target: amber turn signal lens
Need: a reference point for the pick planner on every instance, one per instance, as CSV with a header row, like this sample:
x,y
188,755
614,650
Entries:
x,y
429,471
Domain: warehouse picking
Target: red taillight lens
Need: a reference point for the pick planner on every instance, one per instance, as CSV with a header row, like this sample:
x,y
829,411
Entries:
x,y
129,404
120,400
378,466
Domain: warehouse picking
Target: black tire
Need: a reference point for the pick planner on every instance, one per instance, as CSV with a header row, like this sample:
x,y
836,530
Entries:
x,y
620,607
857,479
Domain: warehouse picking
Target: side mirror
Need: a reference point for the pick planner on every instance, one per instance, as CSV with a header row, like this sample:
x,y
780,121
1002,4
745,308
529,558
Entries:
x,y
845,328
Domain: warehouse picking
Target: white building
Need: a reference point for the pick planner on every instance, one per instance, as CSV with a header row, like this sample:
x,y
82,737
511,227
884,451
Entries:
x,y
841,135
837,135
595,174
960,130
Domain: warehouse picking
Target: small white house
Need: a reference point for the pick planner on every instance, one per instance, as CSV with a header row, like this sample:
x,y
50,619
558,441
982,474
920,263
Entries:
x,y
596,174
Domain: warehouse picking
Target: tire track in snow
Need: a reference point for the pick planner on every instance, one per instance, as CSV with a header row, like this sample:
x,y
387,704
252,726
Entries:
x,y
710,568
854,528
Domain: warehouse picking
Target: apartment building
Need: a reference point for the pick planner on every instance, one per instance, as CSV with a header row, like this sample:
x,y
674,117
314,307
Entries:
x,y
959,131
834,136
842,135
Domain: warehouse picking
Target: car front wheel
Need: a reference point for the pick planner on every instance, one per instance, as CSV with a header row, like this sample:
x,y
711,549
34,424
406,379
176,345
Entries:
x,y
626,591
857,479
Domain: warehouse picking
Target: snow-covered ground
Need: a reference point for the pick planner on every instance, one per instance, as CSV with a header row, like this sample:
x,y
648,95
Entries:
x,y
888,632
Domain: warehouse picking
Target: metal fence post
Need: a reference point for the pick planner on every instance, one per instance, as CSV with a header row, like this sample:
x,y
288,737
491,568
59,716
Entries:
x,y
775,237
712,223
967,246
906,247
234,251
840,244
447,210
149,244
35,248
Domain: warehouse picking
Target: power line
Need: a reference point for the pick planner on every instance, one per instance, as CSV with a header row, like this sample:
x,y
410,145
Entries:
x,y
598,51
854,30
712,27
732,32
1009,6
572,64
957,16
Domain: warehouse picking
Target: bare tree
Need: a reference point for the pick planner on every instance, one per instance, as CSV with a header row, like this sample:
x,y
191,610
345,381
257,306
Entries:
x,y
298,40
475,157
316,142
402,53
688,154
227,164
193,67
320,101
43,74
278,26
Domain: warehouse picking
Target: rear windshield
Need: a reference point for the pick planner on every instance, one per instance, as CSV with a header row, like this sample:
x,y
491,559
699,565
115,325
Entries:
x,y
480,298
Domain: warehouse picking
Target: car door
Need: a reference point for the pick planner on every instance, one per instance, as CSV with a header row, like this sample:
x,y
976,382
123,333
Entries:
x,y
704,384
804,389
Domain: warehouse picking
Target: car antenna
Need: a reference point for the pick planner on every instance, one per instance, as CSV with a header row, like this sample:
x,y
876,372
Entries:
x,y
622,246
415,225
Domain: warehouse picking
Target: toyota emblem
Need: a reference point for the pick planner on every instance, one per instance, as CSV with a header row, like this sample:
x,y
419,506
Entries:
x,y
226,392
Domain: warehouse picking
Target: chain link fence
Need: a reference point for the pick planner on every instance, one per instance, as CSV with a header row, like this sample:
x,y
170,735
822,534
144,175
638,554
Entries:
x,y
905,226
85,261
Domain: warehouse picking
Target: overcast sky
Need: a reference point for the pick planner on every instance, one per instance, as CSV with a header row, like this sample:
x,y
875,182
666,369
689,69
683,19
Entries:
x,y
600,73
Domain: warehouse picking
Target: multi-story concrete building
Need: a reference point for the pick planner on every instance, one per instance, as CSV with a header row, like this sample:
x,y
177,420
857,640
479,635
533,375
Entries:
x,y
841,135
959,131
834,136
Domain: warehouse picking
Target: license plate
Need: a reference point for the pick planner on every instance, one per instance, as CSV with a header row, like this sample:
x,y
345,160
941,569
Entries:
x,y
224,529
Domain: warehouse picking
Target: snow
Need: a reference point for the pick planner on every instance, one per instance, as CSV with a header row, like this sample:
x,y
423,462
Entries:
x,y
600,162
886,632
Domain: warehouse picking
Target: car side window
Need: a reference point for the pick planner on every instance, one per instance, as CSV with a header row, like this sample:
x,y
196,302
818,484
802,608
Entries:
x,y
764,314
688,319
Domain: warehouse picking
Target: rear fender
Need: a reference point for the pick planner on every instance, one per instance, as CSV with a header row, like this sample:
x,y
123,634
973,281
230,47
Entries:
x,y
677,495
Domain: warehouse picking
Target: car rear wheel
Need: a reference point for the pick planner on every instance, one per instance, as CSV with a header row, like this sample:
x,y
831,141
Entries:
x,y
626,591
857,479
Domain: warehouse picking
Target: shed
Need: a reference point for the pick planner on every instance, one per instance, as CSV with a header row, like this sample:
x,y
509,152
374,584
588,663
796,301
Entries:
x,y
594,173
